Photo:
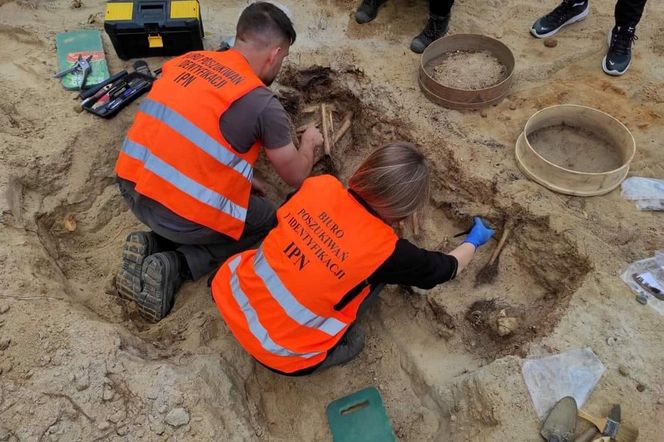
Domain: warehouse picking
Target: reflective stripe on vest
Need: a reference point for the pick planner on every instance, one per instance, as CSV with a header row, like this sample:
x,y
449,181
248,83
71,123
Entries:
x,y
168,173
197,137
293,308
255,326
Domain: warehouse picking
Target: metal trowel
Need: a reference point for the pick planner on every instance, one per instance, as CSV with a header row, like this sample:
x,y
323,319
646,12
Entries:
x,y
560,424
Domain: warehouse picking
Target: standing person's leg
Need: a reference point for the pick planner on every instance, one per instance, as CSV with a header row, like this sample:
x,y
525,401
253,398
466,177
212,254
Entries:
x,y
619,56
629,12
440,8
368,10
436,27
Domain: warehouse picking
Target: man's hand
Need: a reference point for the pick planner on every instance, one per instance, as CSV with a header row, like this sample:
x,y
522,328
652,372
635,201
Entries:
x,y
312,137
294,165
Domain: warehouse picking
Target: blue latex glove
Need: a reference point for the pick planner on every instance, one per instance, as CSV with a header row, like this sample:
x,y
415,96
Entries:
x,y
479,234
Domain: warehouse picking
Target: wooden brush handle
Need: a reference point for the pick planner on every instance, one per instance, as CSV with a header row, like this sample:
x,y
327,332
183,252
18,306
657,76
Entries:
x,y
501,244
587,436
599,422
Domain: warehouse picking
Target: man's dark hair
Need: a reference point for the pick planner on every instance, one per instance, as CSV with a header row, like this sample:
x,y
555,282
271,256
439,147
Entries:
x,y
263,18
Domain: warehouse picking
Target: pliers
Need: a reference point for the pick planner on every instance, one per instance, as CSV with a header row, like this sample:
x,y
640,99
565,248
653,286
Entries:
x,y
82,65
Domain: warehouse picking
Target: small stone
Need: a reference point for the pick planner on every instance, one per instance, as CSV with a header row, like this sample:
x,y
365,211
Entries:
x,y
6,367
513,106
158,428
642,298
453,418
82,381
162,409
550,42
4,308
483,114
623,370
121,431
4,434
4,343
110,287
108,393
75,4
177,417
103,425
92,18
640,387
611,340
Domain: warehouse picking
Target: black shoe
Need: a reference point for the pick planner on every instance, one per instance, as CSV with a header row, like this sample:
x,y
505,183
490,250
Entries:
x,y
568,12
137,247
368,10
161,280
619,57
436,27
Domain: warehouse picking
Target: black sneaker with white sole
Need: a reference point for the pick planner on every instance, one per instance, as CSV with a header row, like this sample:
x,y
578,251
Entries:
x,y
161,280
137,247
568,12
619,57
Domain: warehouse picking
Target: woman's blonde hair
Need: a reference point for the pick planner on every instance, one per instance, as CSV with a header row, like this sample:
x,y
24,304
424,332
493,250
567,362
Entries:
x,y
393,180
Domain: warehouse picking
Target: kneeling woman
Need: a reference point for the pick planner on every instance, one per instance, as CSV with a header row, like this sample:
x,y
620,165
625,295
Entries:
x,y
293,302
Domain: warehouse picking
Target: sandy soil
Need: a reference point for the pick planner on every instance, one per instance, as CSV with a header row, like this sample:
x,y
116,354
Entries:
x,y
576,148
79,365
469,70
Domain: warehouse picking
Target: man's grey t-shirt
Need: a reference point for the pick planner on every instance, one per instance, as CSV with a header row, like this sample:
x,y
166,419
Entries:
x,y
257,116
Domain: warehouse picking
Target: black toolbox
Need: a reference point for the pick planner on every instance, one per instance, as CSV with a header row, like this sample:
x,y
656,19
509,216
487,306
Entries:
x,y
148,28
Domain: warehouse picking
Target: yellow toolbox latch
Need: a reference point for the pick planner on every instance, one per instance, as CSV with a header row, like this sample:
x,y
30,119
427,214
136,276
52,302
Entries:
x,y
155,41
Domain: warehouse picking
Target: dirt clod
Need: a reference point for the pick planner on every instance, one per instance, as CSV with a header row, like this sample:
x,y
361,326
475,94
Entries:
x,y
623,370
640,387
550,42
177,417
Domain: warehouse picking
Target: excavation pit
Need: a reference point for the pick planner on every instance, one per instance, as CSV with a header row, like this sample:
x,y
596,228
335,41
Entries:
x,y
419,345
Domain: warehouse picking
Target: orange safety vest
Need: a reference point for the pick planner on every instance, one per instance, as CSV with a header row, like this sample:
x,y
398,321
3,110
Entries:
x,y
279,301
175,151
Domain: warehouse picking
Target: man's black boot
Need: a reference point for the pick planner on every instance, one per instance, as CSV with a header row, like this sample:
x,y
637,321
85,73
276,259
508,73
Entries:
x,y
368,10
619,57
137,247
436,27
161,274
568,12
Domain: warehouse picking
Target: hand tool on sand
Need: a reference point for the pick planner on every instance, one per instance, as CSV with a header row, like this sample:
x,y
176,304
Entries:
x,y
560,423
620,432
489,272
81,66
591,433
